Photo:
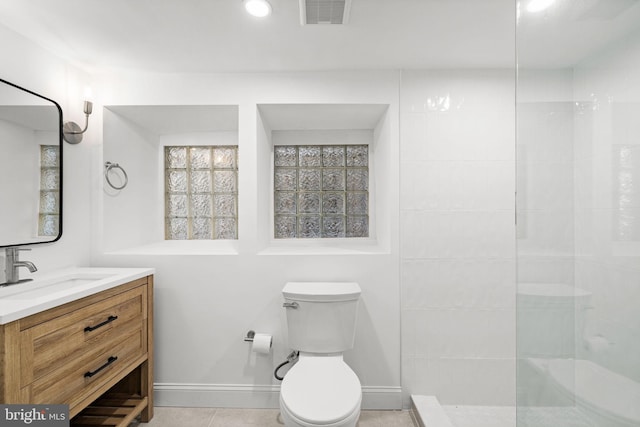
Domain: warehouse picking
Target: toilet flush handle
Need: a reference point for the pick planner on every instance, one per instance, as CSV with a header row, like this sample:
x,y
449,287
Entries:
x,y
290,305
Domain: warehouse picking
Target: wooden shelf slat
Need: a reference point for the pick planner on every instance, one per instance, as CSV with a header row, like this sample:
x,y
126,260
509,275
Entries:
x,y
111,411
106,410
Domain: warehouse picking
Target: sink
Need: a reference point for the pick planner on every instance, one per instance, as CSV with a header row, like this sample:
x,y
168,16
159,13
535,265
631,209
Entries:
x,y
39,288
60,287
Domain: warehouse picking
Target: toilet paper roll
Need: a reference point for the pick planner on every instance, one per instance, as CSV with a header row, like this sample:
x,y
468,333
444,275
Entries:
x,y
261,343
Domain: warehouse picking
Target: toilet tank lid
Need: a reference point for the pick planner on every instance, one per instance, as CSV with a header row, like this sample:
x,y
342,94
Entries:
x,y
321,291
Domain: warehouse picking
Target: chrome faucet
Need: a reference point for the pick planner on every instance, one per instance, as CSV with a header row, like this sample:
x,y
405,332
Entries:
x,y
13,263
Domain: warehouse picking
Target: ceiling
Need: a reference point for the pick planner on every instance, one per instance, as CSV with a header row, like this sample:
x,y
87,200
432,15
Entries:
x,y
202,36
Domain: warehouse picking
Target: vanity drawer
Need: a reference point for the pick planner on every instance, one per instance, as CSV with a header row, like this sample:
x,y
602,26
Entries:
x,y
71,383
82,334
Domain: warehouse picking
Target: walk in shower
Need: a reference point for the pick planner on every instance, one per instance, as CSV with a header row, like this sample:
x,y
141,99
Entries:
x,y
561,128
578,214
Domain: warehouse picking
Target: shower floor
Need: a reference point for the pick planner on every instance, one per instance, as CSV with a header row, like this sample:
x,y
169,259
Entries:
x,y
553,416
482,416
491,416
433,414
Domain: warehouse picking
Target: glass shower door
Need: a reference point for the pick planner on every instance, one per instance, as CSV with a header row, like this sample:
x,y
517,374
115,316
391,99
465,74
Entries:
x,y
578,213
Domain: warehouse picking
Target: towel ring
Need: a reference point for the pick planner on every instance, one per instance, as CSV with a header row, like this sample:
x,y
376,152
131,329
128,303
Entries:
x,y
108,166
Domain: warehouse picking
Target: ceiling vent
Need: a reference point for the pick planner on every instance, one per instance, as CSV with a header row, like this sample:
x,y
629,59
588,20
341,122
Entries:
x,y
324,11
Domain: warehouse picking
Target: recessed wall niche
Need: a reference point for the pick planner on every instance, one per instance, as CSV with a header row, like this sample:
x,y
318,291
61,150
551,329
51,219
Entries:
x,y
135,137
321,126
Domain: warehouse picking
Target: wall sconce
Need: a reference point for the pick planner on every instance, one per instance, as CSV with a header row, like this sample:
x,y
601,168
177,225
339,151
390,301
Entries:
x,y
71,130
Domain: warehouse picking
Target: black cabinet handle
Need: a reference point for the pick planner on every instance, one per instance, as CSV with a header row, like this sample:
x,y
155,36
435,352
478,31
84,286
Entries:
x,y
99,325
109,362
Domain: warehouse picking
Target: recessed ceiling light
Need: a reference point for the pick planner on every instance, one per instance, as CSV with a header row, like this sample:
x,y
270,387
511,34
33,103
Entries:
x,y
539,5
258,8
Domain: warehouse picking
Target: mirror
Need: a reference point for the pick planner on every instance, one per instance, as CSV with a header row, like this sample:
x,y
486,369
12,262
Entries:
x,y
30,167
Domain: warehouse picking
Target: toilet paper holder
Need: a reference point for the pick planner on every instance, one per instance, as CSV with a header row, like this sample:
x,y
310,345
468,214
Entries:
x,y
250,335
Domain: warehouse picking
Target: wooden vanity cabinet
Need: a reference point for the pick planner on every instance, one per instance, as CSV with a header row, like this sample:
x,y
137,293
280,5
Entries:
x,y
94,354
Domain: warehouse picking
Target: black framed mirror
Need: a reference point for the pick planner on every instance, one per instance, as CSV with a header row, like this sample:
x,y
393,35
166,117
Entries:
x,y
30,167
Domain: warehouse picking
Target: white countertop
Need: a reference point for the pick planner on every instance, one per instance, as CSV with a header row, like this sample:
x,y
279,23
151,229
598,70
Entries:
x,y
60,287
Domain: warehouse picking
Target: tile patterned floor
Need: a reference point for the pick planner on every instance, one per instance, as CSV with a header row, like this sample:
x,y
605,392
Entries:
x,y
213,417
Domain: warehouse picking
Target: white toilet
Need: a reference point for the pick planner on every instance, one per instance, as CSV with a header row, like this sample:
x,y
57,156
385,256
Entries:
x,y
321,389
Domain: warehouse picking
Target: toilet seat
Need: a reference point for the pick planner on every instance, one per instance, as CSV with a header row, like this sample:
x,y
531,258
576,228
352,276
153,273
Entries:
x,y
321,391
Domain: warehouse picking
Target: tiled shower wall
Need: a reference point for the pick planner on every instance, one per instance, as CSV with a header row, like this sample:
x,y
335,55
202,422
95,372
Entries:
x,y
458,235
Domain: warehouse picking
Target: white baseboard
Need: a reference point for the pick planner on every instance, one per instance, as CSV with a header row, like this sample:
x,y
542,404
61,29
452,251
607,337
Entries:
x,y
382,398
255,396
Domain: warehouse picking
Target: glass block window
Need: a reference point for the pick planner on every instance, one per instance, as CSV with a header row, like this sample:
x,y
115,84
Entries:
x,y
321,191
201,193
49,210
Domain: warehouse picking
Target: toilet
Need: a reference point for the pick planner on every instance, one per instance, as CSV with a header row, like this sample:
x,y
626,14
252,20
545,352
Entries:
x,y
321,389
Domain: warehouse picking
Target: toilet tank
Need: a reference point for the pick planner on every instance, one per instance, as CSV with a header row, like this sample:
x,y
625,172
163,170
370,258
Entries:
x,y
321,316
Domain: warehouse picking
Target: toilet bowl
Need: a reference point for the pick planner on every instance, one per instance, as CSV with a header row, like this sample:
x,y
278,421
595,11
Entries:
x,y
320,391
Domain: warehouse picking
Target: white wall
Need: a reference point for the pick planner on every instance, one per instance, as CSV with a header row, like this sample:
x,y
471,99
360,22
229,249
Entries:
x,y
208,295
545,176
28,65
137,206
458,235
